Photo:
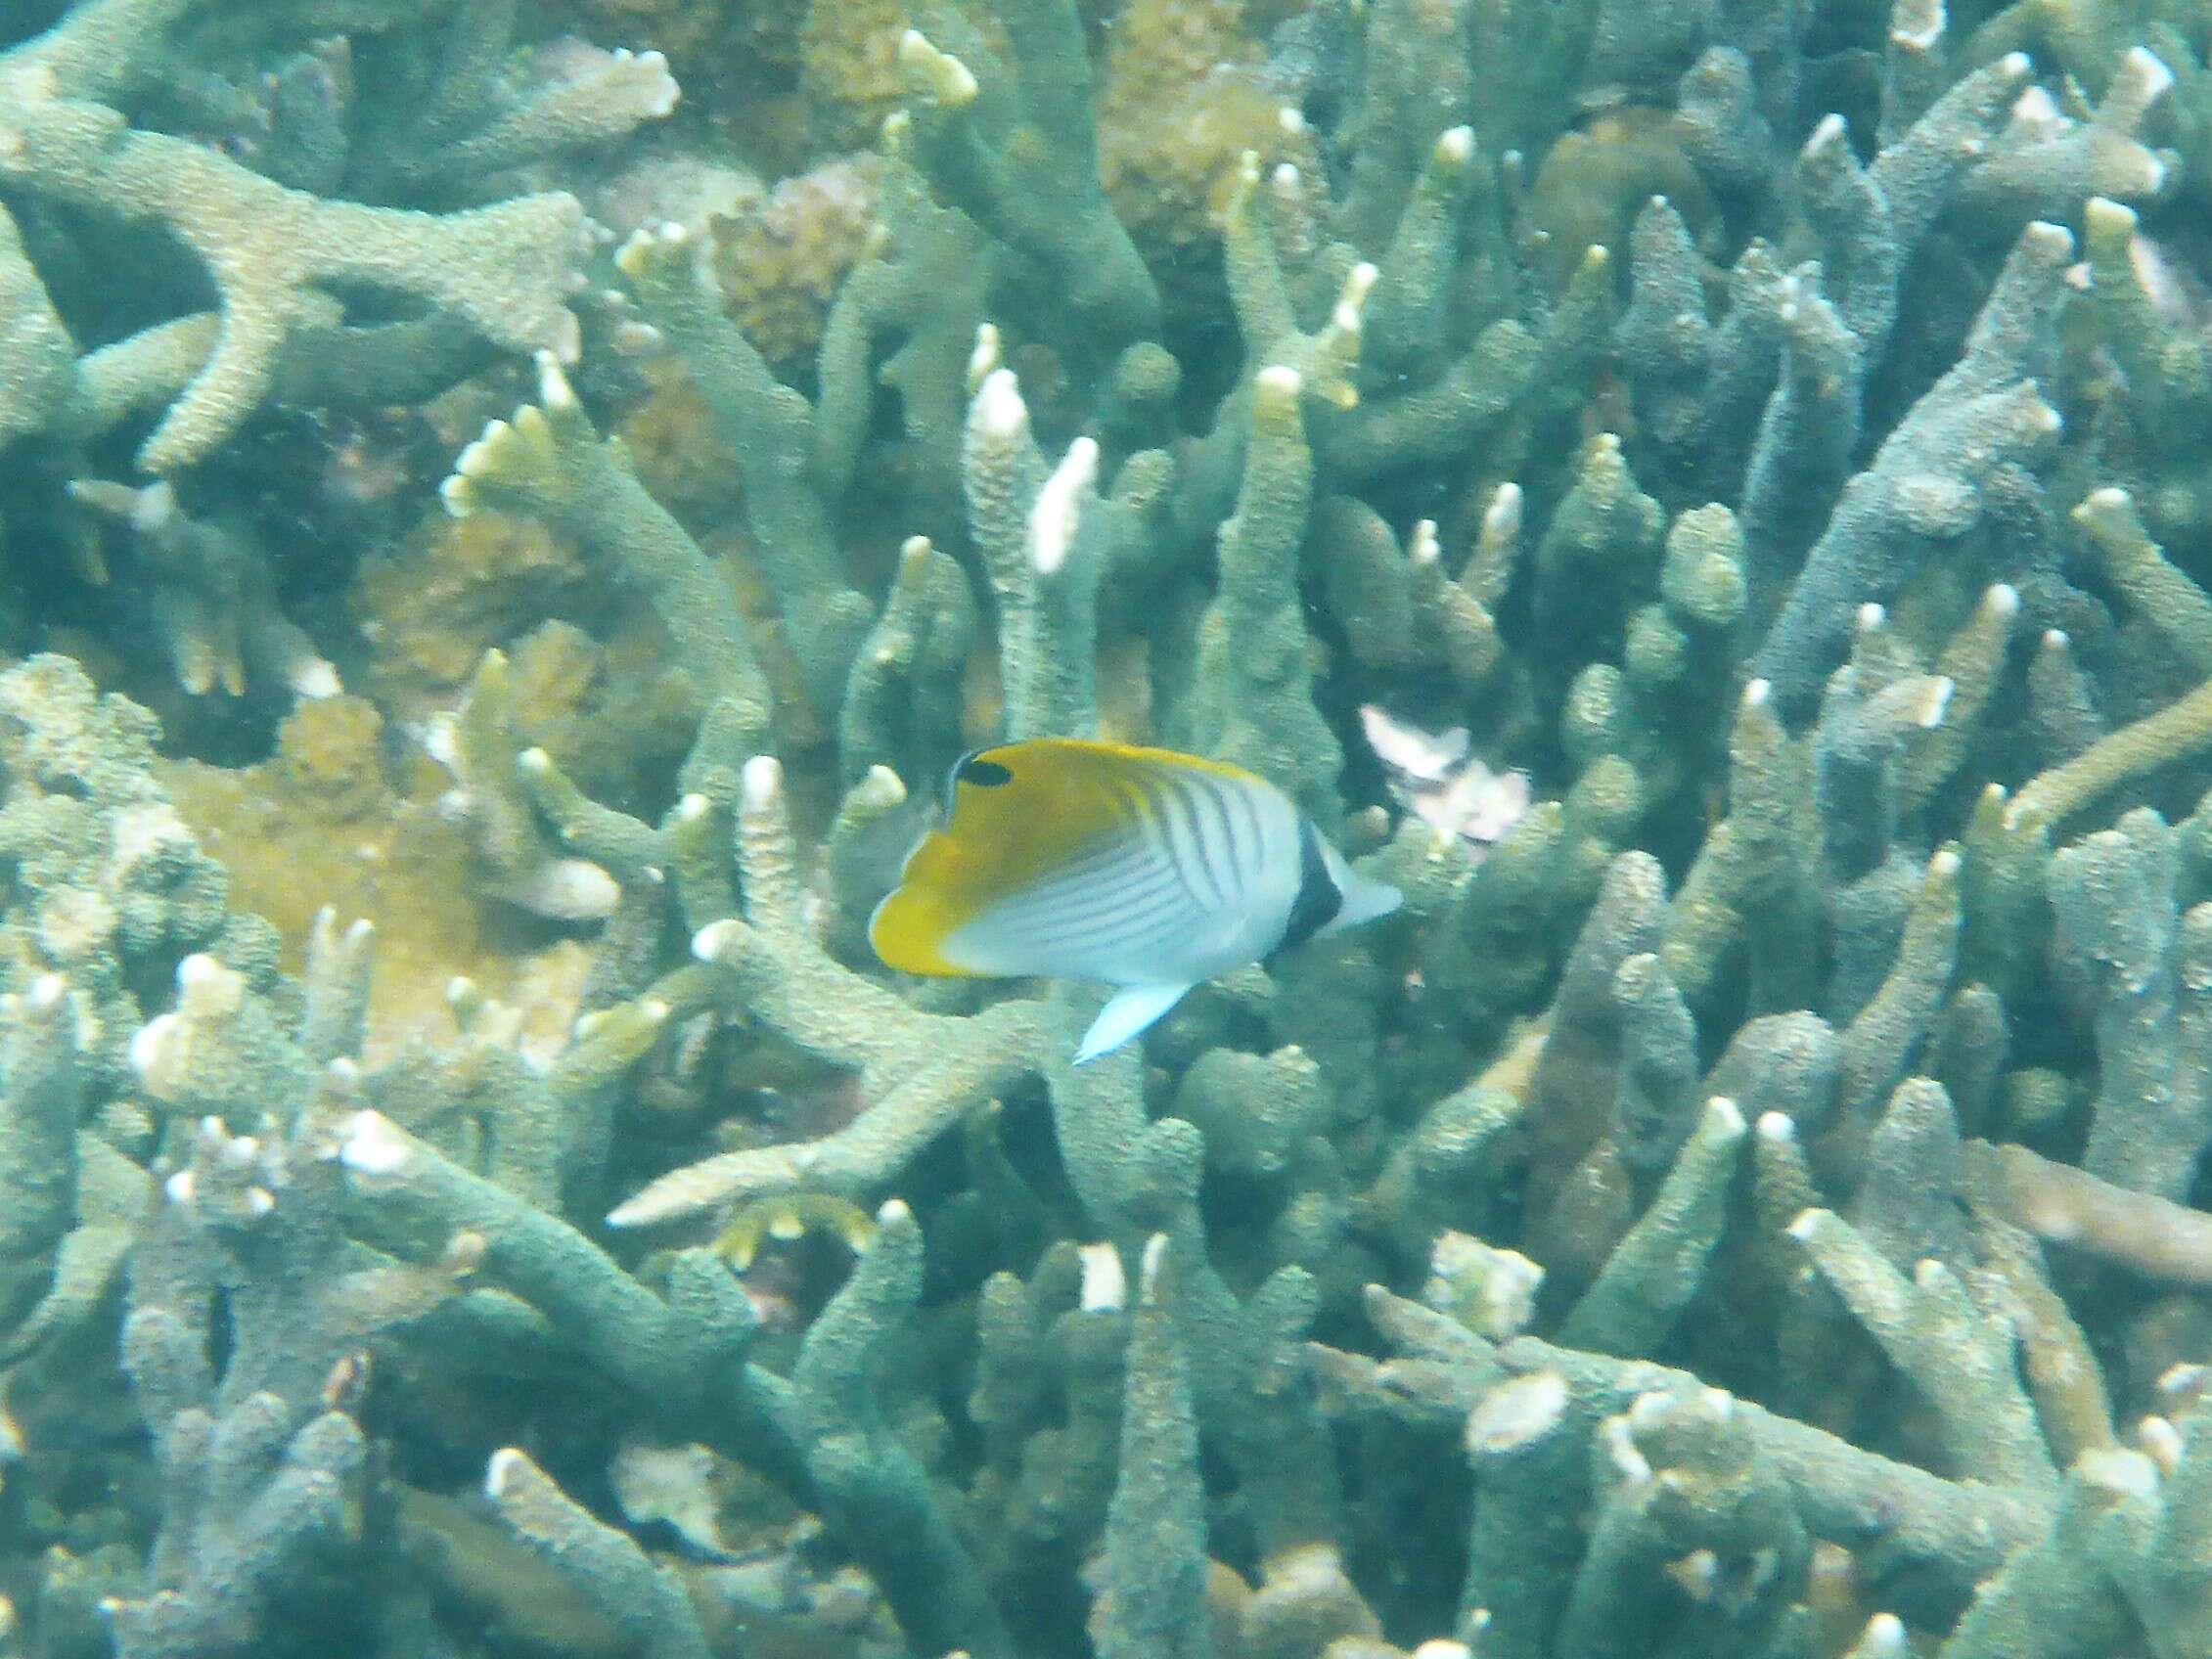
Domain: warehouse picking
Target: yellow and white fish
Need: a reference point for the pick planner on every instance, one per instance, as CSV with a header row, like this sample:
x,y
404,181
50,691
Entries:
x,y
1139,868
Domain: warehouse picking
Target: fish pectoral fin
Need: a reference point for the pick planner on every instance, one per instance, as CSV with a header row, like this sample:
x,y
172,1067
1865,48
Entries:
x,y
1126,1015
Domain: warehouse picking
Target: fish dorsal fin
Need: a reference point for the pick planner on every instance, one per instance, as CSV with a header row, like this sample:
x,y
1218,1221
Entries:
x,y
1126,1015
1017,815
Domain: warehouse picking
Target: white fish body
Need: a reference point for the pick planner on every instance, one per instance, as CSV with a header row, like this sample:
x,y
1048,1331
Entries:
x,y
1142,868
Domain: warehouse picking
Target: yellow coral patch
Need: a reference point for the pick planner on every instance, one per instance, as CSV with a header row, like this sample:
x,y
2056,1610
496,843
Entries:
x,y
791,1216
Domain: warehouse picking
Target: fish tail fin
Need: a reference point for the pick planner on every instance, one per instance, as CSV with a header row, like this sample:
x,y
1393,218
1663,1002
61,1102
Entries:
x,y
1364,901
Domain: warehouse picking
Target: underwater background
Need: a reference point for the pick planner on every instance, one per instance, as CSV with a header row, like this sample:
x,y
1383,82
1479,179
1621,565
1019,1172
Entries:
x,y
509,512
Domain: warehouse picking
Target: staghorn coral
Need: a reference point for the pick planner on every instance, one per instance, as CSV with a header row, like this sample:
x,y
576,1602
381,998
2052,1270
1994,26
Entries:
x,y
1746,1211
271,250
213,597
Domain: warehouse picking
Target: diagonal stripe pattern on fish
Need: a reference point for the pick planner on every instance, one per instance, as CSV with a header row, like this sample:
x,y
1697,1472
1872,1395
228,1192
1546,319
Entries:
x,y
1144,868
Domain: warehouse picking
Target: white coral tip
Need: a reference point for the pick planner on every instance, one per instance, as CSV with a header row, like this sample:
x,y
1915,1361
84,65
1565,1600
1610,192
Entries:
x,y
1000,412
1149,1266
1884,1637
710,942
984,356
501,1472
1054,519
1626,1456
665,90
2036,112
1502,518
570,889
374,1148
2162,1443
1923,38
1104,1286
314,679
148,1041
763,783
1938,700
554,390
2148,72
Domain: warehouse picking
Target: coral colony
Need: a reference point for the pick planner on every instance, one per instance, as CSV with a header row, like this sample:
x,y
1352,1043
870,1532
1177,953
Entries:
x,y
1712,499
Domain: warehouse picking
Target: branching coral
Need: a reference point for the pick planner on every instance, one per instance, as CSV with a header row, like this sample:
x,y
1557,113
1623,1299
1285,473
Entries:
x,y
270,251
1740,1205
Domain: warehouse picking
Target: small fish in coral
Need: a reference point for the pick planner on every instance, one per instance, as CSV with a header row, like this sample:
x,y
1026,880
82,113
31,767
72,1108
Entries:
x,y
1143,869
1435,779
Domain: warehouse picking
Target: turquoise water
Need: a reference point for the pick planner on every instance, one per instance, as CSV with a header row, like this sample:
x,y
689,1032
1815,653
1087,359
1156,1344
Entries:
x,y
511,516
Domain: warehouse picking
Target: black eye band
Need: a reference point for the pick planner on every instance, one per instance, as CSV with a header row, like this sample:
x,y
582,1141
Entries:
x,y
973,769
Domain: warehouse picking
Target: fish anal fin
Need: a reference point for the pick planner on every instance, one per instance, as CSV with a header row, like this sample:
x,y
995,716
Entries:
x,y
1127,1013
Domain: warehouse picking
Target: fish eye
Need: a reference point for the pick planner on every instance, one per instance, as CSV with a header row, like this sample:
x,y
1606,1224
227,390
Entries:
x,y
983,774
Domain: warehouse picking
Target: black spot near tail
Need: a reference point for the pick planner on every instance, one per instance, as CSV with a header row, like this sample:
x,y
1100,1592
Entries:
x,y
1319,899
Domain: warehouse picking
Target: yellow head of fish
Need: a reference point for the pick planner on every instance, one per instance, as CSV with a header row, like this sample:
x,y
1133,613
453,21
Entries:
x,y
1144,868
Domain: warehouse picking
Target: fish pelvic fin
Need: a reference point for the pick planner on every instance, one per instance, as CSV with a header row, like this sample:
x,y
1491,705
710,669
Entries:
x,y
1127,1013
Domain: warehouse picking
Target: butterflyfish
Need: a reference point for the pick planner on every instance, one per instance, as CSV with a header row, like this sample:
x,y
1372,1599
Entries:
x,y
1142,868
